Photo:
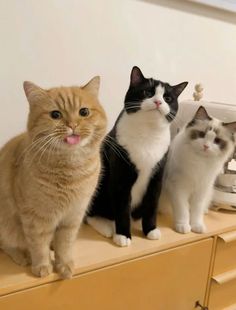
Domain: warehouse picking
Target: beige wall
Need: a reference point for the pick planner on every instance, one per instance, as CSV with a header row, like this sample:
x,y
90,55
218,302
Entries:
x,y
54,42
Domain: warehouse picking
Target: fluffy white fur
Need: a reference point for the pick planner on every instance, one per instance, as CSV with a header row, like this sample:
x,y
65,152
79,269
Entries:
x,y
192,167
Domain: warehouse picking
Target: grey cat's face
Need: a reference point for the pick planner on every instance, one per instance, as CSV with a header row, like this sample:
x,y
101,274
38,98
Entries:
x,y
209,136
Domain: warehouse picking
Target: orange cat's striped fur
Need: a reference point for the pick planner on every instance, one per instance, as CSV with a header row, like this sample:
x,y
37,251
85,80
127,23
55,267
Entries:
x,y
48,175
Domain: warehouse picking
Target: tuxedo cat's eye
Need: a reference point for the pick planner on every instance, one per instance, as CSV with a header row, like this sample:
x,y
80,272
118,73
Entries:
x,y
217,140
84,112
147,93
201,134
168,99
56,114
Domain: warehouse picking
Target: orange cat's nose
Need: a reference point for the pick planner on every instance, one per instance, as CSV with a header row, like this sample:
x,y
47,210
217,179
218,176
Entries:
x,y
72,125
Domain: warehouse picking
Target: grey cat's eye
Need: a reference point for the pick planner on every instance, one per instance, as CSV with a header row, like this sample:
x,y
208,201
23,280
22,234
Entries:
x,y
56,114
201,134
84,112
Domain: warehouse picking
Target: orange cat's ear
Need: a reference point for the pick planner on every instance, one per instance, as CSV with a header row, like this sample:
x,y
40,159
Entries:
x,y
32,91
93,86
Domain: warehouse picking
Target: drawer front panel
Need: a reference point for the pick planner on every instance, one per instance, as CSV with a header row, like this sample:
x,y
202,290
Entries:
x,y
173,279
225,259
222,296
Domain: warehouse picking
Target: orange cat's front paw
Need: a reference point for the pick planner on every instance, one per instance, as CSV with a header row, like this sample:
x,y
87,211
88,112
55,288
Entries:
x,y
65,270
42,270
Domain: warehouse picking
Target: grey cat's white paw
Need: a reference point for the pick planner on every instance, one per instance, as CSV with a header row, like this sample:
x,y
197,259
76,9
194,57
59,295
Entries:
x,y
65,270
198,228
183,228
42,270
121,240
154,234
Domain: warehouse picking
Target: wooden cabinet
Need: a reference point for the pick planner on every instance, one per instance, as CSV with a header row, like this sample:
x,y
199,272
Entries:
x,y
173,279
223,281
172,273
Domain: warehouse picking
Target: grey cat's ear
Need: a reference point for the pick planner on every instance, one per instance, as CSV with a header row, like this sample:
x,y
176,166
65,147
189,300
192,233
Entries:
x,y
93,86
231,126
136,76
33,92
179,88
202,114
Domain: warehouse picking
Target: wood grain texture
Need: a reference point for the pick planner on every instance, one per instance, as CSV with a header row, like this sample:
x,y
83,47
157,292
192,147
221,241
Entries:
x,y
158,281
94,252
225,254
222,296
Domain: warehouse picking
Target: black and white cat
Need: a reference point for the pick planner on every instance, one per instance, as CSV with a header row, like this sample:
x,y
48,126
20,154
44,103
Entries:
x,y
134,153
197,155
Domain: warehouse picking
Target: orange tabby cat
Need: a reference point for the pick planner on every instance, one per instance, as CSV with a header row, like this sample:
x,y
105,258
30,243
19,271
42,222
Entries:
x,y
48,176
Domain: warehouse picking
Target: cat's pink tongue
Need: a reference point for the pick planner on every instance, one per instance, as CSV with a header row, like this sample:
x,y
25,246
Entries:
x,y
73,139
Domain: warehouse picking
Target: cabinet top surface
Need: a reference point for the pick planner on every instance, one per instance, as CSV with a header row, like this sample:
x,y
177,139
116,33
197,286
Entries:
x,y
93,251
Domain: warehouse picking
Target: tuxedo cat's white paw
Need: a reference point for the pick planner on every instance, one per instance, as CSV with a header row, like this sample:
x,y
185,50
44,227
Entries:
x,y
154,234
183,228
198,228
121,240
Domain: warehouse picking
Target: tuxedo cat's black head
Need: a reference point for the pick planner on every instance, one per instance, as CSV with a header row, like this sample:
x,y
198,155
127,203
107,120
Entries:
x,y
147,94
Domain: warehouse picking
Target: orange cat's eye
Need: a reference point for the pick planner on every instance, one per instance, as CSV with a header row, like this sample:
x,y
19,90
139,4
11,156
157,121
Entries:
x,y
84,112
56,114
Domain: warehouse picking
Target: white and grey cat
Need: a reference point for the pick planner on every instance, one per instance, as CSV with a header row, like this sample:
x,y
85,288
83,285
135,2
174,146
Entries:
x,y
197,155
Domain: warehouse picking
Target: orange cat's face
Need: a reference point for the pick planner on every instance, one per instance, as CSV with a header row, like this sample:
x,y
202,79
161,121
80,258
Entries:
x,y
68,117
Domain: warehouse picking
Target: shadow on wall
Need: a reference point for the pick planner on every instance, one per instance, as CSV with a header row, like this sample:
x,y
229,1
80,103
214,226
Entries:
x,y
197,9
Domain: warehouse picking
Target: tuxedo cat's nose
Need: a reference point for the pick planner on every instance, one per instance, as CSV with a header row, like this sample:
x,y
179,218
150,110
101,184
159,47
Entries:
x,y
157,103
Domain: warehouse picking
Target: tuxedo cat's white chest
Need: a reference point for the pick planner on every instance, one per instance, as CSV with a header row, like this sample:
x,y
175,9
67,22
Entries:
x,y
146,138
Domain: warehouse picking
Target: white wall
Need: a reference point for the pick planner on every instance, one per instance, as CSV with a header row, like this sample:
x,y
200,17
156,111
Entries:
x,y
55,42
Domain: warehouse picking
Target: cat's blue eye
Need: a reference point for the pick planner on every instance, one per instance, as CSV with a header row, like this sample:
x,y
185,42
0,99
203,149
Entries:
x,y
84,112
147,93
56,114
168,99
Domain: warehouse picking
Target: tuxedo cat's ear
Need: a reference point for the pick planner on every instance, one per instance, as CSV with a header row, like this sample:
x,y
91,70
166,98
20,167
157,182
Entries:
x,y
231,126
179,88
93,86
33,92
136,76
202,114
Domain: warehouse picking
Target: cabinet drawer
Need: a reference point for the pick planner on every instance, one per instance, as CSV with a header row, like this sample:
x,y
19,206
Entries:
x,y
223,295
225,259
173,279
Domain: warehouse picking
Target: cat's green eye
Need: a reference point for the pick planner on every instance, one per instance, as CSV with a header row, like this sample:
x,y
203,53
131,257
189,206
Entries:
x,y
84,112
56,114
168,99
